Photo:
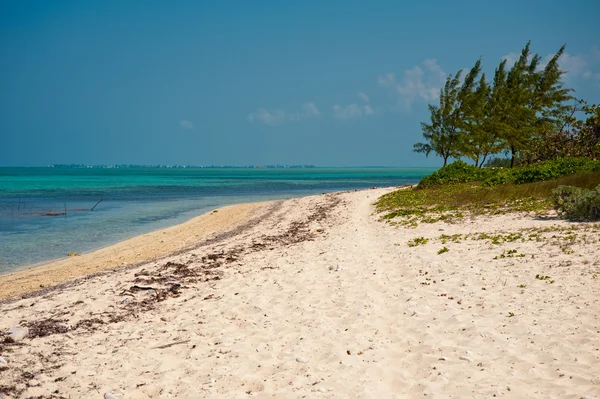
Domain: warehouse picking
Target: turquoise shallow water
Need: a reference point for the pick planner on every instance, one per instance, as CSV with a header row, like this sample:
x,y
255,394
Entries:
x,y
136,201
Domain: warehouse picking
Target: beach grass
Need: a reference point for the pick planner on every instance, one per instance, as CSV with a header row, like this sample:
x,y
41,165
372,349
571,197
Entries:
x,y
451,201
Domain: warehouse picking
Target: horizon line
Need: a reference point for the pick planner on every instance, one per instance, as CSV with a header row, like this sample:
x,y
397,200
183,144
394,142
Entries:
x,y
176,166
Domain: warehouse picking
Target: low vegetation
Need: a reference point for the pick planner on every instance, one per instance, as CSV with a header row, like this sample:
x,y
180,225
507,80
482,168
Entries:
x,y
457,189
417,241
544,278
511,253
461,172
443,250
576,203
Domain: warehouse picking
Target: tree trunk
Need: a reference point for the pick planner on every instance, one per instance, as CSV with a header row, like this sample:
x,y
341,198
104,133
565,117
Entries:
x,y
512,156
483,160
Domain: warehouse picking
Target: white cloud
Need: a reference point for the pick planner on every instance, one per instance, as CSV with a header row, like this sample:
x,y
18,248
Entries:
x,y
349,112
387,80
186,125
585,66
574,65
422,82
363,97
511,58
309,110
432,66
352,111
277,117
268,117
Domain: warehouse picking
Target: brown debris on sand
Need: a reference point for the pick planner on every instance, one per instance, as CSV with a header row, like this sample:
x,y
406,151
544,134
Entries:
x,y
156,283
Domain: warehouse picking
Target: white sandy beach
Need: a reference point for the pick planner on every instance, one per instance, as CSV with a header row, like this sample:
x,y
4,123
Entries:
x,y
314,297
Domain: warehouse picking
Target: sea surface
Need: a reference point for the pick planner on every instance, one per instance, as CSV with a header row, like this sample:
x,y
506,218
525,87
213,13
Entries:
x,y
46,213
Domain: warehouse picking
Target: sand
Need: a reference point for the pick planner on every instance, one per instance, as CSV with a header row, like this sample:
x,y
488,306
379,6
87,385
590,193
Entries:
x,y
144,248
315,297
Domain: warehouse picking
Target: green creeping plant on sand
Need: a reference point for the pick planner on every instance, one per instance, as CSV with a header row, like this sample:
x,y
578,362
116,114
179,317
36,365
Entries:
x,y
417,241
544,278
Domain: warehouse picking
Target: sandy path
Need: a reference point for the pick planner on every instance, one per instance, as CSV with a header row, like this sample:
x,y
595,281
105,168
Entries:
x,y
320,299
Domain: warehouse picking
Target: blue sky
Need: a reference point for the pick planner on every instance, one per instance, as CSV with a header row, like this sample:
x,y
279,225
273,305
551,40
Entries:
x,y
335,83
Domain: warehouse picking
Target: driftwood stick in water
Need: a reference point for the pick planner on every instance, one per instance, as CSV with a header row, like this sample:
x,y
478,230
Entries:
x,y
97,204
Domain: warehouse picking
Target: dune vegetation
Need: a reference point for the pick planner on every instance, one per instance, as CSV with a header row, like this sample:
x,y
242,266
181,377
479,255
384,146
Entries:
x,y
530,145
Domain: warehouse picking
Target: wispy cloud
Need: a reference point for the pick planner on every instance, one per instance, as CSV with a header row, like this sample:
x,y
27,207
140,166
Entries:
x,y
387,80
354,110
186,125
420,82
510,58
573,65
351,111
277,117
309,110
581,66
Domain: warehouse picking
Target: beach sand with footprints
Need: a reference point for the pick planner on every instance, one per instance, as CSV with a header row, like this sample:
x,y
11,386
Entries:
x,y
313,297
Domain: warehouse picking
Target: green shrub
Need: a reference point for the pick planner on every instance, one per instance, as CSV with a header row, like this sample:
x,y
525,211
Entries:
x,y
499,176
456,172
576,203
461,172
554,169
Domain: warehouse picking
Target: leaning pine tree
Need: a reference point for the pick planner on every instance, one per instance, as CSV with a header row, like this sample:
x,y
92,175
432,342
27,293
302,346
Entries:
x,y
517,93
523,106
442,133
553,112
478,140
533,102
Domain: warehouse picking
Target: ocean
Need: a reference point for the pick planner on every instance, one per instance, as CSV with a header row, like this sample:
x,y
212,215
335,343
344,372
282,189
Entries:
x,y
46,213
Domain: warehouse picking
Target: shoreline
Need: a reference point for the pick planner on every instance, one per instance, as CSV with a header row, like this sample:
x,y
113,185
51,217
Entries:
x,y
37,278
143,248
316,296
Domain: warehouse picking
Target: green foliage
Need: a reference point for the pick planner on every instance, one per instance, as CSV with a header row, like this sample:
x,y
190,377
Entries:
x,y
499,239
511,253
518,110
454,238
554,169
544,278
461,172
575,203
441,134
456,172
443,250
417,241
448,202
477,139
